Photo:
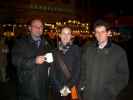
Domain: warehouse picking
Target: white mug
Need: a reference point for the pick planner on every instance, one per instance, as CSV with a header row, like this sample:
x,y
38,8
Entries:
x,y
48,57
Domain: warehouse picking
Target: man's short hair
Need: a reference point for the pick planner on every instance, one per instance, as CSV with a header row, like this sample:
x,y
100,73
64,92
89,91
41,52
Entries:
x,y
102,23
33,19
64,26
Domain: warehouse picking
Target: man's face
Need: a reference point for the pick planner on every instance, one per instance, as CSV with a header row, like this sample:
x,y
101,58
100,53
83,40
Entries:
x,y
65,35
101,34
36,28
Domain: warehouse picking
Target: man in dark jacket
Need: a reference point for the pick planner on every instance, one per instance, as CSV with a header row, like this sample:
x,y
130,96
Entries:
x,y
32,69
104,68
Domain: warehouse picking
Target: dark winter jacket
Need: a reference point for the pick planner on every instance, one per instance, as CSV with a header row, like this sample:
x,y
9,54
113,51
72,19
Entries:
x,y
32,78
72,59
104,72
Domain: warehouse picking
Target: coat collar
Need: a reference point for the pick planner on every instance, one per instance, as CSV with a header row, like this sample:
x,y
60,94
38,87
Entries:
x,y
108,45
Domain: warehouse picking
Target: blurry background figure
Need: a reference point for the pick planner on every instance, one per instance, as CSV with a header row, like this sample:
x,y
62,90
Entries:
x,y
3,59
52,38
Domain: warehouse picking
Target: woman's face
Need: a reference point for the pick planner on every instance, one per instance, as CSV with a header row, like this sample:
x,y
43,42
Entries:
x,y
66,35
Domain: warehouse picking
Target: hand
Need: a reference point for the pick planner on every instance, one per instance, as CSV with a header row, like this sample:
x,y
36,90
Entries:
x,y
82,88
39,60
65,91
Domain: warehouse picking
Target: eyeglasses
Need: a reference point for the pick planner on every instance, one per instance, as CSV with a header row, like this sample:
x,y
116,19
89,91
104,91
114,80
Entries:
x,y
37,27
101,32
66,33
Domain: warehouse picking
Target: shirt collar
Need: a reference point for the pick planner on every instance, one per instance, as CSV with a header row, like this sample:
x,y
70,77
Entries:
x,y
108,45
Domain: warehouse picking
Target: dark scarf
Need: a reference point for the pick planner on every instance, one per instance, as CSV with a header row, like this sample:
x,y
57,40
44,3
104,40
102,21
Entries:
x,y
64,48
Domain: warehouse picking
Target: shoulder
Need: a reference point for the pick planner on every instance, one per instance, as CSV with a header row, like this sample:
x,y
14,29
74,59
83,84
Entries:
x,y
75,48
20,41
88,46
118,49
46,41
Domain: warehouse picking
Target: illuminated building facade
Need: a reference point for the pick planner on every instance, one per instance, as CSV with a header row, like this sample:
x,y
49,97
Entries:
x,y
50,10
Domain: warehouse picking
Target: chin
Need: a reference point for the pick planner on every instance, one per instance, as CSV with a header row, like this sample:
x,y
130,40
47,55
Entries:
x,y
39,35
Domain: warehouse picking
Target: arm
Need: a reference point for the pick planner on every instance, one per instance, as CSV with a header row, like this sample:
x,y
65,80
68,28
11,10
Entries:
x,y
20,57
120,79
122,73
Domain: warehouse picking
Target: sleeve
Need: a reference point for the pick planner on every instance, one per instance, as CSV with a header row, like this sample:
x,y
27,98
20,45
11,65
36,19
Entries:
x,y
20,57
120,80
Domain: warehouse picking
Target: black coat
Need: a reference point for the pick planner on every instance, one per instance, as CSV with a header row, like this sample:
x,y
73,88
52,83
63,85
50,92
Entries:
x,y
32,78
72,59
104,72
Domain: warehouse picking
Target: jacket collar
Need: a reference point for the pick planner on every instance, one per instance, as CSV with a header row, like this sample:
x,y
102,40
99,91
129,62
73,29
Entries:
x,y
108,45
31,39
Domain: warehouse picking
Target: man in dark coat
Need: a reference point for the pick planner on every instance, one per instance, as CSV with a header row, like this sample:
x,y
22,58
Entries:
x,y
104,68
32,69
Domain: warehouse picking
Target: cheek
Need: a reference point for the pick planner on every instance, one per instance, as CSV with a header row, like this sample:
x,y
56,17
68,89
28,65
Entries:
x,y
104,36
37,30
100,35
97,36
69,38
62,38
41,30
34,30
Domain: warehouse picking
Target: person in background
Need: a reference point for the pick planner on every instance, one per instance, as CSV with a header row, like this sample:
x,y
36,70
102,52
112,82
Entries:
x,y
3,59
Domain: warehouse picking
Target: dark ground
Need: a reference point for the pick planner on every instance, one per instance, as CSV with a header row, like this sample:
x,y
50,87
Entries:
x,y
8,91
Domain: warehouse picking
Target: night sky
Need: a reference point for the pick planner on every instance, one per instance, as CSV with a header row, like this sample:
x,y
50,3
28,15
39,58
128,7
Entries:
x,y
120,7
94,8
